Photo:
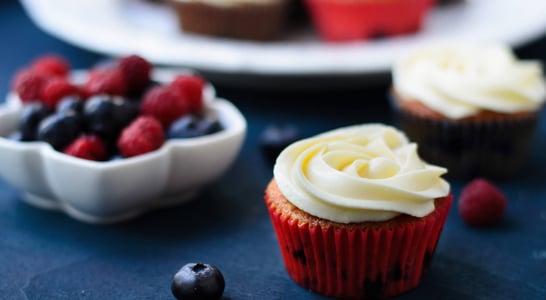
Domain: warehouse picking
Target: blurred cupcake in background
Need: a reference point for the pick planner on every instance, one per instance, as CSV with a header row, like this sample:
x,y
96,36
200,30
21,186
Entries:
x,y
356,20
240,19
471,108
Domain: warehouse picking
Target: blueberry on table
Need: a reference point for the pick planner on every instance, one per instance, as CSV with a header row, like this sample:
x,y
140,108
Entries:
x,y
276,137
192,125
33,113
59,130
198,281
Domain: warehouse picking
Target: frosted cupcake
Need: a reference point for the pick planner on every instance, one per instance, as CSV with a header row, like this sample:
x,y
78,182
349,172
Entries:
x,y
356,212
471,108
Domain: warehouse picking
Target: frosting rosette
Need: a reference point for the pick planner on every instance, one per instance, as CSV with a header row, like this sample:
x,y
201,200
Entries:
x,y
460,80
359,173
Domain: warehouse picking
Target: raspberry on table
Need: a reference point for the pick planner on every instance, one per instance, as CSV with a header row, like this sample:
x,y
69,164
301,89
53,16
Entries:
x,y
165,104
481,203
29,84
89,147
137,72
105,81
52,64
143,135
56,89
190,88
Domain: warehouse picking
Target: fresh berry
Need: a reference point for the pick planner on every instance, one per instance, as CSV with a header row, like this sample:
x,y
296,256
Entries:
x,y
276,137
143,135
60,130
481,203
51,64
70,103
105,81
192,125
198,281
190,88
57,88
137,72
88,147
33,113
163,103
108,115
29,84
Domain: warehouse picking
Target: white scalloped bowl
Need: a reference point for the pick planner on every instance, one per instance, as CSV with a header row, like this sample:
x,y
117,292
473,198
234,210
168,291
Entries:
x,y
113,191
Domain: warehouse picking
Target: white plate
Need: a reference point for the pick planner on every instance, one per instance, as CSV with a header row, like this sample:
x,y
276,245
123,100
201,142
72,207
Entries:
x,y
118,27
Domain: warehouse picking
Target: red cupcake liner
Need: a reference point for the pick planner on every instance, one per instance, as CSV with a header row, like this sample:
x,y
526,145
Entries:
x,y
353,20
372,261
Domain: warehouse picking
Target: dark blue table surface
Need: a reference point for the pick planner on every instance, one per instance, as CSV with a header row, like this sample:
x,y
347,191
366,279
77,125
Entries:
x,y
47,255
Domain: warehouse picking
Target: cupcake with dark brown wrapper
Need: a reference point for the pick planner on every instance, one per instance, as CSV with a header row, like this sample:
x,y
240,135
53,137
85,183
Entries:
x,y
357,213
239,19
472,108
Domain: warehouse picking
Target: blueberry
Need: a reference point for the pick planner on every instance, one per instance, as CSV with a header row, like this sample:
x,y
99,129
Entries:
x,y
192,125
276,137
59,130
198,281
106,115
70,103
33,113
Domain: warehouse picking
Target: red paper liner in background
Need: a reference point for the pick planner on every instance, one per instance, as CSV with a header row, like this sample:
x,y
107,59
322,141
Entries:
x,y
375,260
353,20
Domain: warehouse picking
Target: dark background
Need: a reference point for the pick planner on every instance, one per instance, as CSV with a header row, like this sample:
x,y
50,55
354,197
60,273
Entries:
x,y
47,255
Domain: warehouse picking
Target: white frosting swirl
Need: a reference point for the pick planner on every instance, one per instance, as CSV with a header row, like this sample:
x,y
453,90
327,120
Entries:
x,y
460,80
359,173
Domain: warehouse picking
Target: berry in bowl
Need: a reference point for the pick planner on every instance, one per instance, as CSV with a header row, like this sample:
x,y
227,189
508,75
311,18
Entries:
x,y
108,144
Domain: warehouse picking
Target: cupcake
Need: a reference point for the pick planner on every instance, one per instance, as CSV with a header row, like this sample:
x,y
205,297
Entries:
x,y
353,20
356,212
472,108
240,19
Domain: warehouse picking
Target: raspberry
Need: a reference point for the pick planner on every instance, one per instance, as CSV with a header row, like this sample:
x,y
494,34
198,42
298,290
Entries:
x,y
51,64
57,88
137,72
89,147
29,84
481,203
191,89
105,81
165,104
143,135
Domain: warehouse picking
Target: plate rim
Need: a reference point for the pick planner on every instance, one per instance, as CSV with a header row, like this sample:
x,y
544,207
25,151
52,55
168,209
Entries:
x,y
230,60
